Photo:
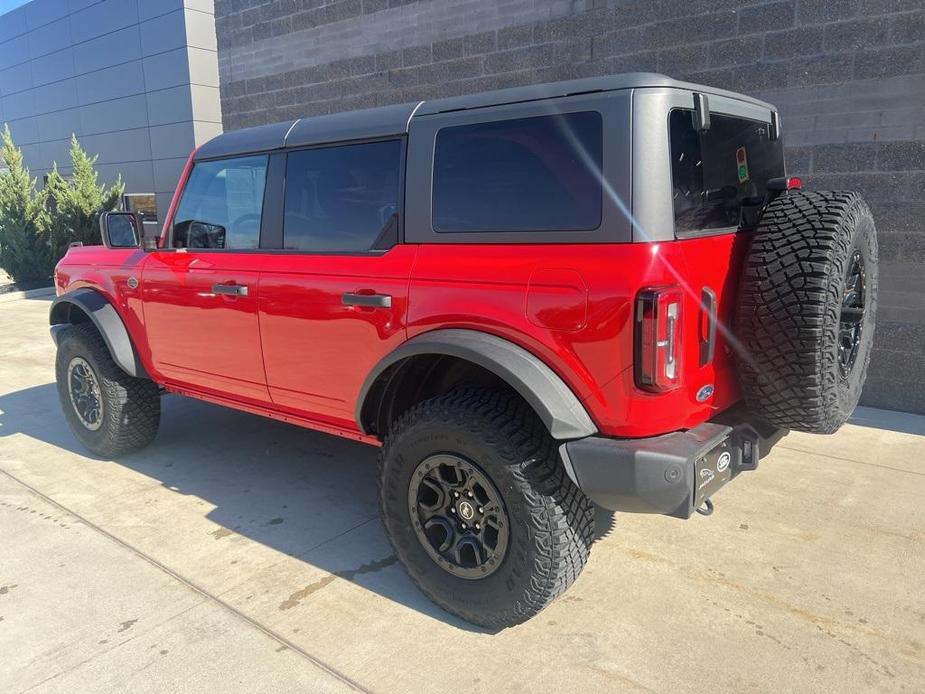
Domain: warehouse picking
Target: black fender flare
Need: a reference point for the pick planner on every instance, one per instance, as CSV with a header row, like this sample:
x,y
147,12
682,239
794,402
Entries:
x,y
107,320
549,396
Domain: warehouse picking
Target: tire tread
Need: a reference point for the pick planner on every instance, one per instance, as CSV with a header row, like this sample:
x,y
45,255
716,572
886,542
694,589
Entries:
x,y
788,309
561,516
132,405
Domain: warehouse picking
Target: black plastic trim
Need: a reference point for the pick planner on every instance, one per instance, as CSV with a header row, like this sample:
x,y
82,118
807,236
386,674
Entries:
x,y
658,474
549,396
106,319
274,194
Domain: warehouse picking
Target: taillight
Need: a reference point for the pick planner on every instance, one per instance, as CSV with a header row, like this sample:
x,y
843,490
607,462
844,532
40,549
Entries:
x,y
658,339
779,185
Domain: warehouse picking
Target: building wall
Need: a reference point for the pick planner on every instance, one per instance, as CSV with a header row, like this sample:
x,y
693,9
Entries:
x,y
848,76
135,80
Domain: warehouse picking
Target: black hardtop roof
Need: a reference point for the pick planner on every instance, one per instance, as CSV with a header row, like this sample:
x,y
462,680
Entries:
x,y
350,125
394,120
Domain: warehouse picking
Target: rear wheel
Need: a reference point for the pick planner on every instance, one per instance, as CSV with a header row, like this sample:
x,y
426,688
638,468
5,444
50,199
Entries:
x,y
110,412
807,309
479,509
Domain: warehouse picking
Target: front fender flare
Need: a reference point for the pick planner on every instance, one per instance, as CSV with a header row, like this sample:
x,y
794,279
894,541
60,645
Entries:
x,y
107,320
549,396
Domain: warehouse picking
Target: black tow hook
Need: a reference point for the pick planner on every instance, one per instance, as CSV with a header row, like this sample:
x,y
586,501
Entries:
x,y
706,509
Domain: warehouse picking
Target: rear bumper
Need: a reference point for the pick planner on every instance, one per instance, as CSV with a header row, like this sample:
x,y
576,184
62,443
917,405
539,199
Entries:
x,y
673,474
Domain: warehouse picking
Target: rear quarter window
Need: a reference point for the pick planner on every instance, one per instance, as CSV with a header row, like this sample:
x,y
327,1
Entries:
x,y
527,174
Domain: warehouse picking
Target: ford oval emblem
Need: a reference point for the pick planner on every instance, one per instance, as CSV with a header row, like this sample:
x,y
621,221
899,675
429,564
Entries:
x,y
705,393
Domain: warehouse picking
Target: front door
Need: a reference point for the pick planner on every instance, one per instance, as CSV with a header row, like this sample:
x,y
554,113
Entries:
x,y
200,295
334,303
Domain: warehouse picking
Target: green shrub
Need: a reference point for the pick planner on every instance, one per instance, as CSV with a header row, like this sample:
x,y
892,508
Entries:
x,y
25,253
36,228
76,202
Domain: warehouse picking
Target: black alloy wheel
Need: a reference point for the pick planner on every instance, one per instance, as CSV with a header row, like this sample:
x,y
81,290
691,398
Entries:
x,y
109,411
851,320
479,508
84,391
458,516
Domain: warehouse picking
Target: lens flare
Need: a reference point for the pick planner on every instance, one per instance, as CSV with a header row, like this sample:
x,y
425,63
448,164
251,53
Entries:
x,y
724,329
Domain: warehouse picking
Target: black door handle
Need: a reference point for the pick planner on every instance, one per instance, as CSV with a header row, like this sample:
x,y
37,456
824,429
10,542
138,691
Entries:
x,y
368,300
230,289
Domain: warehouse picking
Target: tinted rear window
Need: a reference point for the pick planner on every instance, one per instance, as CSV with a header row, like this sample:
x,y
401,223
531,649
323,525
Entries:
x,y
717,172
342,199
527,174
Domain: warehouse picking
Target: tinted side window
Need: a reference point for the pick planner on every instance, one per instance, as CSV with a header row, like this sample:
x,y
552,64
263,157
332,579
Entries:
x,y
341,199
718,172
222,204
526,174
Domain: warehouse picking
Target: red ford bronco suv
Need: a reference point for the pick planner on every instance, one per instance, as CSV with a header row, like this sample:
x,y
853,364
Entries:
x,y
604,291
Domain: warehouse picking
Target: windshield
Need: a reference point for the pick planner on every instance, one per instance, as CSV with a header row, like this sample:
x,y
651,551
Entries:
x,y
717,173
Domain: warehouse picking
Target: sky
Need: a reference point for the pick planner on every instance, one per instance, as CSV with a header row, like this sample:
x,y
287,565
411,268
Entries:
x,y
7,5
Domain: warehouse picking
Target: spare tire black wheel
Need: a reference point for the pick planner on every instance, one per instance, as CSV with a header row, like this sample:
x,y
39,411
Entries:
x,y
806,311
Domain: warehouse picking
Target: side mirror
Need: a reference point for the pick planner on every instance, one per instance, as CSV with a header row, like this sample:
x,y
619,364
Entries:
x,y
120,229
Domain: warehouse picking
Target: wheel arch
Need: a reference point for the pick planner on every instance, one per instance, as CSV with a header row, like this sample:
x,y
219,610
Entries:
x,y
541,388
88,305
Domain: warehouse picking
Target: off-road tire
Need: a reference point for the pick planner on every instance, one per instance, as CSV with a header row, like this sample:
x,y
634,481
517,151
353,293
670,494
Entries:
x,y
131,407
551,521
790,306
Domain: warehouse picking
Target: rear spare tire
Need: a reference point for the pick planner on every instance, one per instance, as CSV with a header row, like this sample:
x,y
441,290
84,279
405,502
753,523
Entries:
x,y
805,317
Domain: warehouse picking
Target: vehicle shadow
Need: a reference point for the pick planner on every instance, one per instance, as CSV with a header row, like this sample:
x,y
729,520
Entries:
x,y
308,495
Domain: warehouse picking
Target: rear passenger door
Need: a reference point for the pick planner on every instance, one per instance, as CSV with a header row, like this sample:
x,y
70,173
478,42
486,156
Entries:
x,y
333,300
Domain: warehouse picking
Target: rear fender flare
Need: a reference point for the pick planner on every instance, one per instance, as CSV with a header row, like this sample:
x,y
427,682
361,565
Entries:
x,y
107,320
549,396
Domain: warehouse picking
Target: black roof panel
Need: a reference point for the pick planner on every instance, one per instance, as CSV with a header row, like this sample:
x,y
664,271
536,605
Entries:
x,y
393,120
337,127
246,140
605,83
351,125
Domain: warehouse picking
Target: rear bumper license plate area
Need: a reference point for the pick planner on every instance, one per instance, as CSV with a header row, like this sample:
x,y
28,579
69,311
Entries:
x,y
674,474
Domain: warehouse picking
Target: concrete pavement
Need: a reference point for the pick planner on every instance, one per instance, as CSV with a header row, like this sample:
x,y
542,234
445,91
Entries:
x,y
241,554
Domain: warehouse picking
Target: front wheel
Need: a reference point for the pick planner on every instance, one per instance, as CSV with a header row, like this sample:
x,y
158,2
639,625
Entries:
x,y
479,509
110,412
